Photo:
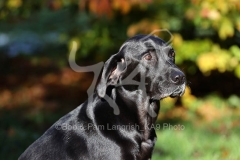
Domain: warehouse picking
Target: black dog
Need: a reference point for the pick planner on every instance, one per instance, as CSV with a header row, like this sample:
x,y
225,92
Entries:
x,y
134,80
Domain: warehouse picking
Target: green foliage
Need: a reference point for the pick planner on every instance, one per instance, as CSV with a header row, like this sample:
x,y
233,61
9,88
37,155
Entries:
x,y
196,142
234,100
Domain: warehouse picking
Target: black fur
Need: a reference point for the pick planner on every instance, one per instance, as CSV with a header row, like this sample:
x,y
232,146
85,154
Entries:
x,y
136,79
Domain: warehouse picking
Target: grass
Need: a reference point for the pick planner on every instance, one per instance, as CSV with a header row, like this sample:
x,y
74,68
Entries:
x,y
197,143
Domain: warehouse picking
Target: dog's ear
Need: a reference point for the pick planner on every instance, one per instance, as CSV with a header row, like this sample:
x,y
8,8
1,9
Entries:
x,y
112,71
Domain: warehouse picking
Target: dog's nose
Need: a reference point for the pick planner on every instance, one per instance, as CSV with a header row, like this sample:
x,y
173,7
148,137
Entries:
x,y
177,77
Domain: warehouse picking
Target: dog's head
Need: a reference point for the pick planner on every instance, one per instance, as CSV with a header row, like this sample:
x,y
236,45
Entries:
x,y
146,63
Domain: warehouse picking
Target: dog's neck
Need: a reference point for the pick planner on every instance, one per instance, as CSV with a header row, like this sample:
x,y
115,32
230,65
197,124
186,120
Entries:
x,y
145,110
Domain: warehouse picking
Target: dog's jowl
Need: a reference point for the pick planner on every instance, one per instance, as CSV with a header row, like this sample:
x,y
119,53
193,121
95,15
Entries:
x,y
135,79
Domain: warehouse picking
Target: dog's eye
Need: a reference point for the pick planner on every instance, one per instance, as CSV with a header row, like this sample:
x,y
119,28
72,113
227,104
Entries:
x,y
148,57
171,54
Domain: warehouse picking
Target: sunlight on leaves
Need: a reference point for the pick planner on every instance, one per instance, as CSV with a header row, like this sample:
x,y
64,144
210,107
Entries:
x,y
14,3
226,29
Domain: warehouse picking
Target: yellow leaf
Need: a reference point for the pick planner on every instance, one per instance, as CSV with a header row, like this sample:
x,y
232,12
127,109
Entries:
x,y
177,40
206,62
124,5
14,3
238,24
188,99
235,51
226,29
214,15
222,6
237,71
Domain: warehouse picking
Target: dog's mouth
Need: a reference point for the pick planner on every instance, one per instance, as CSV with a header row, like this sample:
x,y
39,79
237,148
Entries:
x,y
178,92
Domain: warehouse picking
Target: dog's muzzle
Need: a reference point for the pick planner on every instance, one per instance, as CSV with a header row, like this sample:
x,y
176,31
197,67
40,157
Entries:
x,y
179,91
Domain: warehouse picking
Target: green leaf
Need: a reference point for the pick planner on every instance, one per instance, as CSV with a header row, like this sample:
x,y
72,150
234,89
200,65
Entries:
x,y
226,29
234,101
235,51
237,71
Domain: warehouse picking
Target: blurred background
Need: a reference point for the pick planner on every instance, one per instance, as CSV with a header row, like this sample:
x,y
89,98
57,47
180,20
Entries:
x,y
37,86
